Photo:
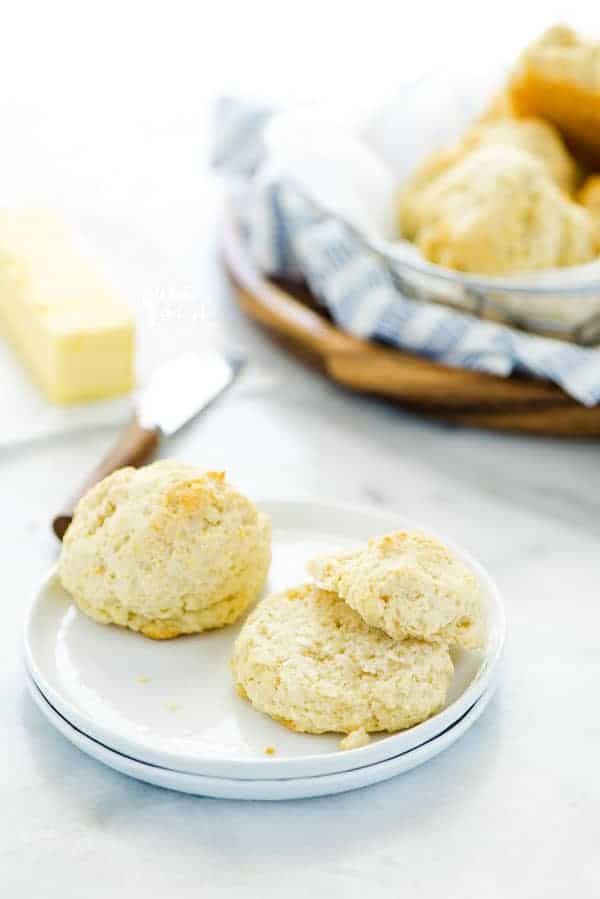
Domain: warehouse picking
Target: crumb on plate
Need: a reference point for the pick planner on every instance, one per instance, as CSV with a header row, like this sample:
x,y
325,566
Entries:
x,y
355,739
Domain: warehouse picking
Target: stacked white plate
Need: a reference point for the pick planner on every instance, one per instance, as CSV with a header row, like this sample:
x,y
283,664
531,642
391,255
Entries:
x,y
167,713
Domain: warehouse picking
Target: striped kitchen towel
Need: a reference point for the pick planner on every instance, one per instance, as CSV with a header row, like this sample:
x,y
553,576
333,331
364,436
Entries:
x,y
290,236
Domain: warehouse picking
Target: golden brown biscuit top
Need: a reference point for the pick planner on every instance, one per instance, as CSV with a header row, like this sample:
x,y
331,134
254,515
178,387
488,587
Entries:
x,y
561,54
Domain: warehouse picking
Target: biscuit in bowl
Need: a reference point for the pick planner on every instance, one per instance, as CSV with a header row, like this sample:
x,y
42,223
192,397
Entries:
x,y
558,78
165,550
498,107
589,197
306,659
497,212
531,135
409,585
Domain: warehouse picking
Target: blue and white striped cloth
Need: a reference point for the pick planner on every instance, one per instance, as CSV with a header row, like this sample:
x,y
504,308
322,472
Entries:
x,y
291,237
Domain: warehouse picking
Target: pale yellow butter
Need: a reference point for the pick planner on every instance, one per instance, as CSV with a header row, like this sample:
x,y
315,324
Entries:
x,y
73,334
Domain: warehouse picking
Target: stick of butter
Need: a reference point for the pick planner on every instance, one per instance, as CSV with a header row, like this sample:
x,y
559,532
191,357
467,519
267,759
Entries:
x,y
74,335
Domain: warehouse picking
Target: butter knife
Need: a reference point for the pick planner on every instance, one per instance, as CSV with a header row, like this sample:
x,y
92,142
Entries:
x,y
176,393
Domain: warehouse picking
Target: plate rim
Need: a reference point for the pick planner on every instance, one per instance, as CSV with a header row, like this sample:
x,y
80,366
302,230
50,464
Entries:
x,y
328,763
267,790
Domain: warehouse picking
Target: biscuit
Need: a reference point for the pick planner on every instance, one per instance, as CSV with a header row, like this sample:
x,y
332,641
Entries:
x,y
531,135
305,658
558,78
497,212
409,585
167,549
499,107
589,197
534,136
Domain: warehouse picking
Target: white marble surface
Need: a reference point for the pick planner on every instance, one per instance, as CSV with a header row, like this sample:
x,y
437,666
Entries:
x,y
512,809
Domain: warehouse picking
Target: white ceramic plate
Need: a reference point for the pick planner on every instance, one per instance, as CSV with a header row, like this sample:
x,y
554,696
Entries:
x,y
287,788
172,703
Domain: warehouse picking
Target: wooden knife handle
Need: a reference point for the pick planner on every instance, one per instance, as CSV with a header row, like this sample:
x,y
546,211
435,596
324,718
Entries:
x,y
134,447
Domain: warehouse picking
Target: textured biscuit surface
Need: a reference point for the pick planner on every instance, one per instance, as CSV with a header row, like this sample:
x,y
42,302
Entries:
x,y
558,77
496,211
589,196
305,658
167,549
531,135
409,585
561,54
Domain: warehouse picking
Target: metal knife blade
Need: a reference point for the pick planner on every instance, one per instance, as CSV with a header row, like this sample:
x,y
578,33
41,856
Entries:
x,y
180,389
176,393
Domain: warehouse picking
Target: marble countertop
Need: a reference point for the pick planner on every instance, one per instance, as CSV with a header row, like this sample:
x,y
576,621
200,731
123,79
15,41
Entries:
x,y
512,808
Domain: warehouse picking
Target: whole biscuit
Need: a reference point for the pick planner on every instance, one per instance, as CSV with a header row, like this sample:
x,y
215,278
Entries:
x,y
167,549
531,135
496,211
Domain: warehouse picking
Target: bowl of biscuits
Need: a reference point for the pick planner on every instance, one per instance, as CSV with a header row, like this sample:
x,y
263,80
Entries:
x,y
483,195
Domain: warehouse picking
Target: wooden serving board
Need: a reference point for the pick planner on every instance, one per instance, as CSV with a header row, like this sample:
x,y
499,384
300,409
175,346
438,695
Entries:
x,y
464,397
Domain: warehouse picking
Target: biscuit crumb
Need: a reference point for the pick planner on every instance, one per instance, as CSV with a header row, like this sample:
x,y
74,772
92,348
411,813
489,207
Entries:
x,y
270,750
355,739
142,679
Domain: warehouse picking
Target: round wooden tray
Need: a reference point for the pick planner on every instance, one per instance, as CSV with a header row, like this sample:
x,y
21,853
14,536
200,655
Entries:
x,y
465,397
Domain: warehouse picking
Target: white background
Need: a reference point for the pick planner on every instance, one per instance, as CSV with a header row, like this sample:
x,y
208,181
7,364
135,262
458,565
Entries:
x,y
103,109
